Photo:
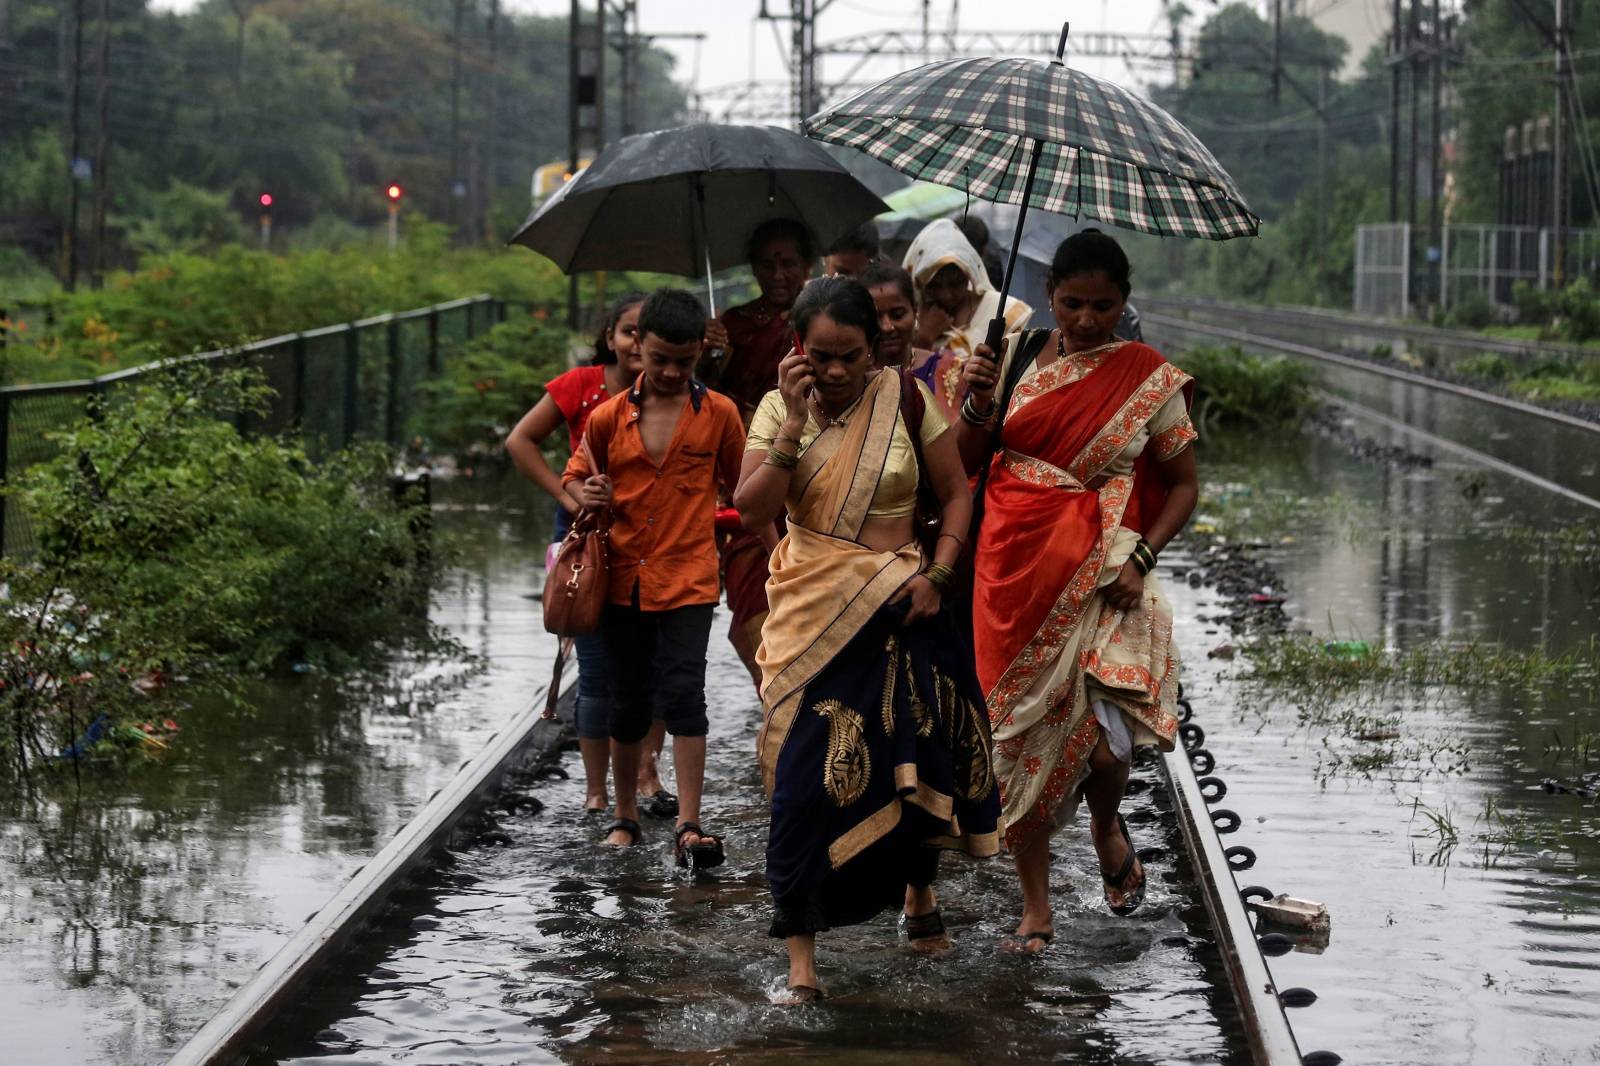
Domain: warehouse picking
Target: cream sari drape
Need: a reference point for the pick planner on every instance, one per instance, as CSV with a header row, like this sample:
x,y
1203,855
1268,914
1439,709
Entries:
x,y
825,585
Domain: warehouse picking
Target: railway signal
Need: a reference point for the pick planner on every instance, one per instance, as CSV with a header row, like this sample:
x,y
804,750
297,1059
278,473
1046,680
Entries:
x,y
265,200
394,192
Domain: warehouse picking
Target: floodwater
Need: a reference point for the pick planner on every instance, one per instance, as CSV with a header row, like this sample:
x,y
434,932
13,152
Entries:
x,y
557,949
1565,455
1465,898
130,910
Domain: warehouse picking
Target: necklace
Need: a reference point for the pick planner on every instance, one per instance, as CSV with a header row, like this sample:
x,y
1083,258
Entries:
x,y
1061,346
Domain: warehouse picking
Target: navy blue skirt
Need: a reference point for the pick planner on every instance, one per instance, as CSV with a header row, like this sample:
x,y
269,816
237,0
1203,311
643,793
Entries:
x,y
888,763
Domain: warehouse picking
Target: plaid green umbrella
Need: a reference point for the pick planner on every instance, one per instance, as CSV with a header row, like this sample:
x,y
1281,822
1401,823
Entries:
x,y
1040,134
1106,153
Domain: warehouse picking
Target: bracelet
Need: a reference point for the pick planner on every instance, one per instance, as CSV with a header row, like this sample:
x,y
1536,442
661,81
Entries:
x,y
1143,558
783,460
953,537
938,574
972,416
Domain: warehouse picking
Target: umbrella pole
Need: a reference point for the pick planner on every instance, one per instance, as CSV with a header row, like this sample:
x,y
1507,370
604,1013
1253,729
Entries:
x,y
705,247
997,325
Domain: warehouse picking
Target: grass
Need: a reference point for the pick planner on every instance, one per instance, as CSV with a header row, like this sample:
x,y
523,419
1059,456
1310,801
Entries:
x,y
1306,663
1541,380
1239,511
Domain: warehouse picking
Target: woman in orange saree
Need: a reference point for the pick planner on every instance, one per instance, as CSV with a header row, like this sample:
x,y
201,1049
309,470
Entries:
x,y
1090,475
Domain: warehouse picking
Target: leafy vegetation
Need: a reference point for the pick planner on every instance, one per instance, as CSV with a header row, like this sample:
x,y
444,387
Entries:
x,y
321,103
1233,387
171,549
489,383
1537,380
182,302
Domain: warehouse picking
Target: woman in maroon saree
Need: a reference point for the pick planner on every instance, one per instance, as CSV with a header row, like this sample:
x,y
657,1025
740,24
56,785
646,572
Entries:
x,y
754,338
1090,475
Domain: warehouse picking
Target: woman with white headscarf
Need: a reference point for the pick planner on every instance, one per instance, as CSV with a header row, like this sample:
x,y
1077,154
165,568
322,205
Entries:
x,y
955,303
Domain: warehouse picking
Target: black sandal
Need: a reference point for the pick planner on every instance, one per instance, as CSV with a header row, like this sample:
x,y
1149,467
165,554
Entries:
x,y
662,805
625,825
800,995
1134,897
928,926
704,855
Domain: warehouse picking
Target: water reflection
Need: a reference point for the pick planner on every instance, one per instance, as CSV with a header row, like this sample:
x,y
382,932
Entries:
x,y
1465,902
558,950
134,904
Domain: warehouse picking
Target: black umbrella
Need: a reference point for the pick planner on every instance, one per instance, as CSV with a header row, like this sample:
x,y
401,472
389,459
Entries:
x,y
686,200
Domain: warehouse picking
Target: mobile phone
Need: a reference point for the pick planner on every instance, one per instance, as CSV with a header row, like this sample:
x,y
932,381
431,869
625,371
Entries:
x,y
799,343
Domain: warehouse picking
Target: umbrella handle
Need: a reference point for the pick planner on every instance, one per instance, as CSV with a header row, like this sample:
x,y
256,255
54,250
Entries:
x,y
714,354
997,326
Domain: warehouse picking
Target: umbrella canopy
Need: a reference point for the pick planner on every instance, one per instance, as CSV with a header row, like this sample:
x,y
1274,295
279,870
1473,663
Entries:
x,y
923,200
1105,153
686,200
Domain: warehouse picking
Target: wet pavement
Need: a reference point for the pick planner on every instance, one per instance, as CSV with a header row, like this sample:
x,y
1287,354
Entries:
x,y
130,911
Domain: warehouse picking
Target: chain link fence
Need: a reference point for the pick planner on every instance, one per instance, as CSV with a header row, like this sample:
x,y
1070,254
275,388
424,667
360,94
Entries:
x,y
331,385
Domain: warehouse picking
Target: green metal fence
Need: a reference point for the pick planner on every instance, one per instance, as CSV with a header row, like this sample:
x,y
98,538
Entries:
x,y
331,385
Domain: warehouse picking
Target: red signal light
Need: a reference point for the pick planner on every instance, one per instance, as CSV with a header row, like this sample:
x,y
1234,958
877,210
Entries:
x,y
395,192
266,199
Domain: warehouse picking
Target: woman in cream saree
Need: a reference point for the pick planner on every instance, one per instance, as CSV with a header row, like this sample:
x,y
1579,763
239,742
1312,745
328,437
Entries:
x,y
875,749
1091,475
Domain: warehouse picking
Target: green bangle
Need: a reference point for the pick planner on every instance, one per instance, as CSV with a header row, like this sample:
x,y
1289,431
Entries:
x,y
782,459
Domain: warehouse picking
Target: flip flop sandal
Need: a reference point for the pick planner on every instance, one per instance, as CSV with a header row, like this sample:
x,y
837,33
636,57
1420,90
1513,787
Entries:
x,y
928,926
800,995
662,805
1134,897
626,825
702,856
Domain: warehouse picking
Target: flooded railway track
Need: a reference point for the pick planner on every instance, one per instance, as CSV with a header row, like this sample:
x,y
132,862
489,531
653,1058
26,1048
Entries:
x,y
535,944
1548,449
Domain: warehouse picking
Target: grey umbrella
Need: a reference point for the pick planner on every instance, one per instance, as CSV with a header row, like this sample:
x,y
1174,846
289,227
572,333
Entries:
x,y
686,200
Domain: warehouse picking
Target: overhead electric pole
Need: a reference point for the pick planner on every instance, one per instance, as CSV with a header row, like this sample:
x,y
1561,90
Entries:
x,y
1558,157
1396,70
69,241
586,99
102,145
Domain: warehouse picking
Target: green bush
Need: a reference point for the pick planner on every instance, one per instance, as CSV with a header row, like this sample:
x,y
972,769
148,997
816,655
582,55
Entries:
x,y
181,303
1235,388
1579,307
489,383
1472,311
1534,305
1490,366
171,547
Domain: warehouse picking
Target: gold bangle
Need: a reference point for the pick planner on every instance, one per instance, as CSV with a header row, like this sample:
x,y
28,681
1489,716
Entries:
x,y
938,574
782,459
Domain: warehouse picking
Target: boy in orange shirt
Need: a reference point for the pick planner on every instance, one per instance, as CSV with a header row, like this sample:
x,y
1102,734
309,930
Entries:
x,y
654,455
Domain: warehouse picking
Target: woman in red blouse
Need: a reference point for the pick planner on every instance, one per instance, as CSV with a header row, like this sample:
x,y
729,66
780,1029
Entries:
x,y
570,398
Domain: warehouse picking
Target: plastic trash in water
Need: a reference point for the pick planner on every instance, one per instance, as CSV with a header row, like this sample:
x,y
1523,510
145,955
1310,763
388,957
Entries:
x,y
1347,649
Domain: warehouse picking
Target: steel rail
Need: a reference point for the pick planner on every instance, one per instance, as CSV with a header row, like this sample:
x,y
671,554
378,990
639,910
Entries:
x,y
1271,1040
1353,363
284,978
1322,318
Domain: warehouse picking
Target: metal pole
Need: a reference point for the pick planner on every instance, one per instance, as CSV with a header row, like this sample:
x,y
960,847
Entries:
x,y
352,382
102,148
5,459
490,183
455,117
69,245
1558,156
1435,136
1394,116
391,414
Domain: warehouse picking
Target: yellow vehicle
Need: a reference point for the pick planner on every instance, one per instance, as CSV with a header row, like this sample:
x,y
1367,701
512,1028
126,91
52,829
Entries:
x,y
550,177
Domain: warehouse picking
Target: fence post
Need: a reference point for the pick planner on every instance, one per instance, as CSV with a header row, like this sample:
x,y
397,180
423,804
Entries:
x,y
497,312
297,406
352,380
392,402
5,459
472,319
433,341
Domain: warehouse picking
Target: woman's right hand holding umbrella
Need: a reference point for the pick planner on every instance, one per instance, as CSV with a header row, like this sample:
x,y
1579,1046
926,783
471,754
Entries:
x,y
980,374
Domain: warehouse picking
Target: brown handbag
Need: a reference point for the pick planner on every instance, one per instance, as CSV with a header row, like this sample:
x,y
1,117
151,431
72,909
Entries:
x,y
575,589
576,586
